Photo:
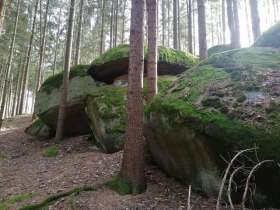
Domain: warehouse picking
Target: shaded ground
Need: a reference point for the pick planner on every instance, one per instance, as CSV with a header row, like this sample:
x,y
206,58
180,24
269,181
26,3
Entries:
x,y
23,169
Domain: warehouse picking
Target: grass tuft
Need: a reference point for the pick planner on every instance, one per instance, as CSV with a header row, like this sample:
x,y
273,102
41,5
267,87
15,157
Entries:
x,y
7,202
51,151
118,185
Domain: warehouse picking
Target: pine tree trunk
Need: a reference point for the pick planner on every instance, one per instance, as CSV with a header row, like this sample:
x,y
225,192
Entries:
x,y
194,28
179,25
247,22
236,23
26,70
152,49
3,103
17,88
224,20
79,35
21,83
116,24
111,24
57,42
189,8
102,28
168,22
201,30
231,24
123,20
2,13
175,25
255,18
163,22
67,63
132,171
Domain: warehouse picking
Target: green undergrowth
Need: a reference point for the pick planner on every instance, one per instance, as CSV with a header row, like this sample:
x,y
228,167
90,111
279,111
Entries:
x,y
270,38
45,203
165,54
55,81
118,185
8,202
52,150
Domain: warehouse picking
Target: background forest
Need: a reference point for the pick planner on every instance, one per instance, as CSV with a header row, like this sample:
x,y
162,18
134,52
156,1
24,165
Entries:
x,y
35,50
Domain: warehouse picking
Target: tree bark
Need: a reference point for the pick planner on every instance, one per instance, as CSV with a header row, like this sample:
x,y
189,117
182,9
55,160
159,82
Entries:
x,y
202,30
102,28
79,35
2,13
67,63
5,91
231,24
116,24
123,20
132,171
163,21
26,70
255,18
175,25
190,44
236,23
179,25
111,24
57,41
152,49
247,22
224,20
17,88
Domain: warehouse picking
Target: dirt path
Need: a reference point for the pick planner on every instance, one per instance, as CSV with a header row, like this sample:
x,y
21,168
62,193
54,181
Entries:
x,y
23,170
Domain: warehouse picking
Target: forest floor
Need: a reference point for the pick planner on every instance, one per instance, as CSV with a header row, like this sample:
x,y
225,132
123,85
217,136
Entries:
x,y
27,176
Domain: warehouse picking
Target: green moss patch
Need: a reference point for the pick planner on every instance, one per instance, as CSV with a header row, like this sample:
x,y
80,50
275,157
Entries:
x,y
47,201
55,81
165,54
52,150
270,38
9,201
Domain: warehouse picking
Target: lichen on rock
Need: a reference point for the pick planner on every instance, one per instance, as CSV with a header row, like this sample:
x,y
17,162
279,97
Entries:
x,y
39,130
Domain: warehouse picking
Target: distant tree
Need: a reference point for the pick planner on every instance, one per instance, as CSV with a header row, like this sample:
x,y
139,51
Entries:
x,y
152,49
67,63
163,21
2,13
255,18
231,24
236,23
189,8
132,171
224,20
79,34
175,25
102,27
7,77
202,29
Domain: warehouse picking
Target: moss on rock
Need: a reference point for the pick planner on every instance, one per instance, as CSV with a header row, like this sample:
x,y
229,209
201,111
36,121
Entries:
x,y
106,109
219,49
270,38
39,129
195,109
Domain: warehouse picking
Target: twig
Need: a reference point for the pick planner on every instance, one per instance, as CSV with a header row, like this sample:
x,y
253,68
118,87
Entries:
x,y
189,198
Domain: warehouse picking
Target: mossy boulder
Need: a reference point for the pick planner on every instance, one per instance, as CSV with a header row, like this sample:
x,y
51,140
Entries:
x,y
48,100
270,38
218,49
106,109
114,63
230,101
39,130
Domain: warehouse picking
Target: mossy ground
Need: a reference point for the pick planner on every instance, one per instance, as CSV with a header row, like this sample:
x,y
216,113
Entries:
x,y
7,202
52,150
218,49
270,38
165,54
55,81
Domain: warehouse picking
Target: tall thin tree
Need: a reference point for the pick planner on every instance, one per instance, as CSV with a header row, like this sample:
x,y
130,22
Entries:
x,y
7,78
152,48
175,25
255,18
202,29
67,63
189,8
132,171
79,35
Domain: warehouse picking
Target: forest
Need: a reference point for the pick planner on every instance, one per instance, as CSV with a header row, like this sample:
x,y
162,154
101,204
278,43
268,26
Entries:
x,y
156,104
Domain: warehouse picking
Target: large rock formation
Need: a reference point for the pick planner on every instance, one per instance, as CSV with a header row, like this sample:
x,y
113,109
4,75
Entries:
x,y
230,101
270,38
48,99
106,109
114,63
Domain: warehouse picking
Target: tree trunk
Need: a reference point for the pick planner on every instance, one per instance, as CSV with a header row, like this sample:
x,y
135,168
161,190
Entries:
x,y
102,28
152,49
2,13
255,18
168,23
247,22
26,70
231,24
132,171
79,35
123,19
67,63
236,23
111,24
179,25
224,20
3,103
17,88
57,41
175,25
116,24
194,28
163,21
201,30
189,8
